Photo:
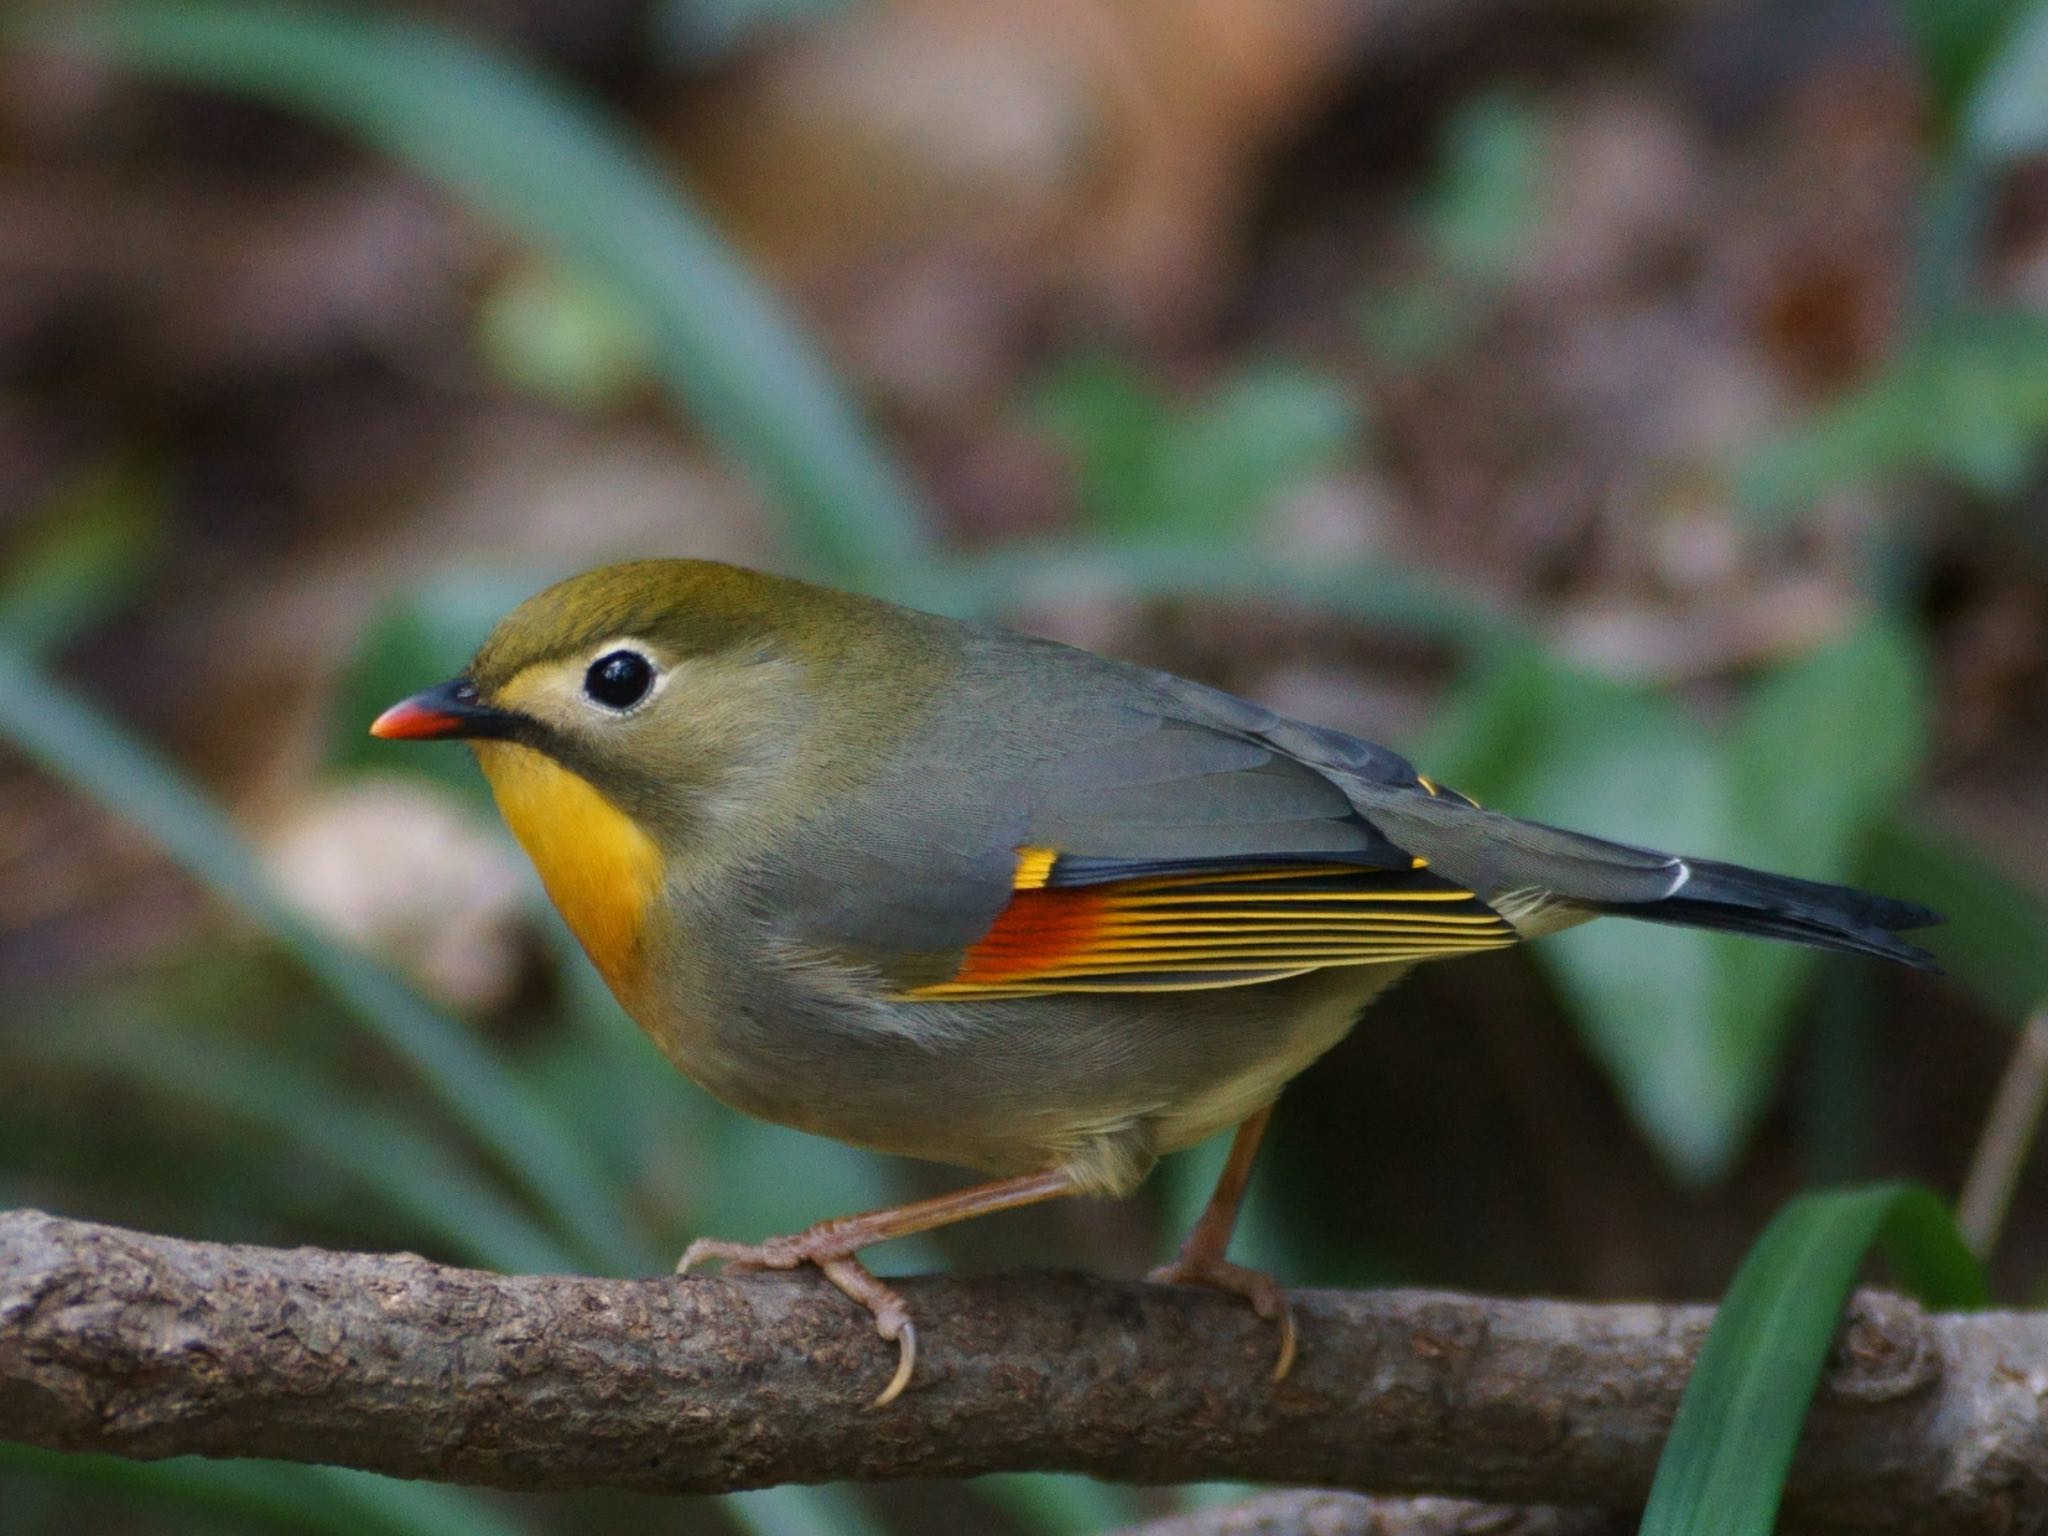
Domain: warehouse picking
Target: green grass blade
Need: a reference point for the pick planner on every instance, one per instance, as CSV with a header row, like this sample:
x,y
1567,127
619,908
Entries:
x,y
407,1508
98,758
86,554
1060,1503
1723,1469
2002,115
1956,43
1928,1253
794,1510
541,159
1995,939
406,1168
325,1501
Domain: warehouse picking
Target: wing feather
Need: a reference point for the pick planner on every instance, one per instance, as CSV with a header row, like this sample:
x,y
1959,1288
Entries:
x,y
1072,926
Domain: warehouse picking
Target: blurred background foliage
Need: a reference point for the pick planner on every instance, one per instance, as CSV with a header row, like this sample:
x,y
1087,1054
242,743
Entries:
x,y
1633,410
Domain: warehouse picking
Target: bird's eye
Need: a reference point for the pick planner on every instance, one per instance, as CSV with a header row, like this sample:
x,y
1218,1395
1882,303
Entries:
x,y
619,680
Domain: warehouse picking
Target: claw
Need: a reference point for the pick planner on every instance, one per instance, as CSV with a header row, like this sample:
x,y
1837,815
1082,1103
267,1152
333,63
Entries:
x,y
1285,1363
825,1248
892,1317
1263,1293
832,1246
906,1362
740,1258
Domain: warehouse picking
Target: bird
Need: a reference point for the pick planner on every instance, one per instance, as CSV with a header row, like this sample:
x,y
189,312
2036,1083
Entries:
x,y
952,892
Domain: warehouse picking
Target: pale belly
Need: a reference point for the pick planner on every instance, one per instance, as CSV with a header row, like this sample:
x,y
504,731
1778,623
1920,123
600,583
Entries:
x,y
1232,1100
1101,1085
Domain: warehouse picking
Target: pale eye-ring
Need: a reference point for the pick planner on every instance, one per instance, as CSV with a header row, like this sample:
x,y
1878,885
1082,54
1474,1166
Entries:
x,y
618,679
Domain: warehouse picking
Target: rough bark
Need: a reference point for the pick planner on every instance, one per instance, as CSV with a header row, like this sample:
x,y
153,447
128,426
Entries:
x,y
152,1346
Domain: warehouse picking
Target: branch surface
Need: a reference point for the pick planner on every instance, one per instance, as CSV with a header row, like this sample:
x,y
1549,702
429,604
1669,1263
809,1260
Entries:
x,y
151,1346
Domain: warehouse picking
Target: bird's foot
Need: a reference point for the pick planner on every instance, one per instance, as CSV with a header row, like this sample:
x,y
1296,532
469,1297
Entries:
x,y
830,1248
1218,1274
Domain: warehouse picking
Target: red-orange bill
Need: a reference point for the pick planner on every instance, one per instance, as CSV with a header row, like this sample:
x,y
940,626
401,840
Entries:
x,y
411,720
451,709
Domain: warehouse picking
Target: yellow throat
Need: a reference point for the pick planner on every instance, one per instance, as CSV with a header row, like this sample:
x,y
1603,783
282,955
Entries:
x,y
600,870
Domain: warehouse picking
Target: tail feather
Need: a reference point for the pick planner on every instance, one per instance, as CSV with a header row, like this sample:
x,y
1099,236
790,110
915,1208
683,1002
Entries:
x,y
1732,899
1534,874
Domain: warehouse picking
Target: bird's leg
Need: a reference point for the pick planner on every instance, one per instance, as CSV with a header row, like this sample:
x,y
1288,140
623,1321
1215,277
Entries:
x,y
1201,1259
831,1246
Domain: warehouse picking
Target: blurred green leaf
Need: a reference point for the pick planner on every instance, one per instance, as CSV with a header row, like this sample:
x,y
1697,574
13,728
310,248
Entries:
x,y
1260,433
410,1508
700,33
1189,1497
773,1180
1951,221
1723,1469
98,758
1837,1122
2007,112
1547,741
654,1129
401,1163
563,338
83,557
529,151
1692,1024
1622,762
1486,198
1409,325
1986,64
1370,592
1996,936
792,1510
423,634
1826,748
1111,418
277,1495
1957,43
1828,743
1060,1504
1153,469
1482,209
1968,402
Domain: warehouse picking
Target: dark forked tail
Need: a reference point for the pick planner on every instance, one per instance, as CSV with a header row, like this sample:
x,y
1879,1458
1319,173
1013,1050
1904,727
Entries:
x,y
1737,900
1534,873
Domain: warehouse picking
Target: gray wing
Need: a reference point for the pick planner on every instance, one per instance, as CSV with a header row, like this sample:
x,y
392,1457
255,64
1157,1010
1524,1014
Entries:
x,y
1133,768
1132,773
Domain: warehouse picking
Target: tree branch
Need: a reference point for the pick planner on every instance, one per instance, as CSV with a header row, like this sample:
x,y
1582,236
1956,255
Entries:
x,y
152,1346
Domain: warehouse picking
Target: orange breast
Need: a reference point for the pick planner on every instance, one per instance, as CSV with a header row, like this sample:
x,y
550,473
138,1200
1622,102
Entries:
x,y
601,871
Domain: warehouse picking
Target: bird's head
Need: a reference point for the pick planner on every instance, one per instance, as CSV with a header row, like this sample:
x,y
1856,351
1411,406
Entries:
x,y
656,682
644,719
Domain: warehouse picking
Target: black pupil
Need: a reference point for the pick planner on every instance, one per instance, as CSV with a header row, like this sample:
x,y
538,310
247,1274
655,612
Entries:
x,y
620,680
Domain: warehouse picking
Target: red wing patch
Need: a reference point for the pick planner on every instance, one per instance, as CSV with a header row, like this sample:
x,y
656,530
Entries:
x,y
1039,931
1226,926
